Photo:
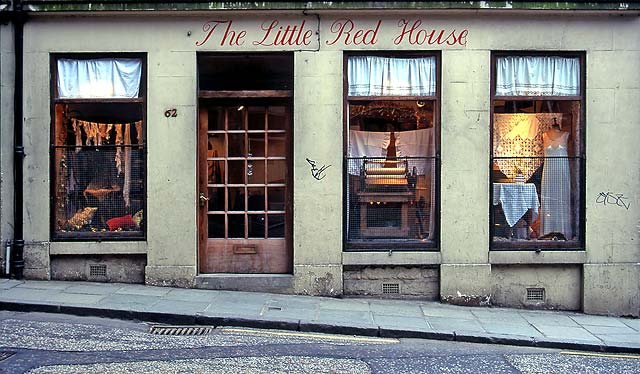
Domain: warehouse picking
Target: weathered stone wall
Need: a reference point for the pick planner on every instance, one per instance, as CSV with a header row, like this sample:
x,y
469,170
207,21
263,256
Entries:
x,y
414,281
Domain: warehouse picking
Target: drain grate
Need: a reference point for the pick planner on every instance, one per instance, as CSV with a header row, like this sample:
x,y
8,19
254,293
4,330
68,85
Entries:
x,y
5,355
390,288
180,330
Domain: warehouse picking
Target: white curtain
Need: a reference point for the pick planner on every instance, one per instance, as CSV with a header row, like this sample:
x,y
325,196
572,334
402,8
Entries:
x,y
415,143
99,78
386,76
537,76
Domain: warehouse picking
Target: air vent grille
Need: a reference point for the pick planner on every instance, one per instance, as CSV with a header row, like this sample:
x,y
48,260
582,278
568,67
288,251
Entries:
x,y
535,294
390,288
98,270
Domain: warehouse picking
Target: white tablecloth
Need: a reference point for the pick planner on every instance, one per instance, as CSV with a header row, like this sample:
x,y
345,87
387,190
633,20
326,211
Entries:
x,y
516,199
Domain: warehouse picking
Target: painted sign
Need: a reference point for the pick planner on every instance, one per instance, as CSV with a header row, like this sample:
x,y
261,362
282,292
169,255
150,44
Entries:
x,y
311,33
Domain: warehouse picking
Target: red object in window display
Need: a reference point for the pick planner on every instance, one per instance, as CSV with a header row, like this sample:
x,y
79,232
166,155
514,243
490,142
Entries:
x,y
124,222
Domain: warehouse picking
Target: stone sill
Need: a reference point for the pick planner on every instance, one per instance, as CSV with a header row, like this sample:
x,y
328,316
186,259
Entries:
x,y
98,248
391,258
532,257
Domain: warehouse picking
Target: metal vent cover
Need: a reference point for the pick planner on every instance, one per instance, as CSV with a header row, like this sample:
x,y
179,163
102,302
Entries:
x,y
180,330
390,288
535,294
98,270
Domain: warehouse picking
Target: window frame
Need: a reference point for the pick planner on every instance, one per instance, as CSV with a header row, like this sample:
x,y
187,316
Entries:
x,y
54,99
538,245
382,245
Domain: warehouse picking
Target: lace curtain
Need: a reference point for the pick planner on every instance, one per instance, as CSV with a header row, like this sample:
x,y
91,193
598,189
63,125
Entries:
x,y
386,76
537,76
99,78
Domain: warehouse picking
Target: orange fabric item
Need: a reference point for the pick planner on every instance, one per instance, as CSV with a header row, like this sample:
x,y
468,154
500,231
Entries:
x,y
124,222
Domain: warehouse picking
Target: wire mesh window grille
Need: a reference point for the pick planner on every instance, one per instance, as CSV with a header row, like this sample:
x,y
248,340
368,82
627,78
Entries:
x,y
537,174
391,199
98,171
391,174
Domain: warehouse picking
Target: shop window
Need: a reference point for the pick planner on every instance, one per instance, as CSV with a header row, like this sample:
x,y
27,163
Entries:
x,y
392,147
537,175
98,148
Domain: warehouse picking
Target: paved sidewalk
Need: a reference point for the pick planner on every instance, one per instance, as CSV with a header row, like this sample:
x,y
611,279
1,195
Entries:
x,y
371,317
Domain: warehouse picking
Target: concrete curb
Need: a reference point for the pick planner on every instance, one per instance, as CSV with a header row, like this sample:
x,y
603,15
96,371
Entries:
x,y
375,331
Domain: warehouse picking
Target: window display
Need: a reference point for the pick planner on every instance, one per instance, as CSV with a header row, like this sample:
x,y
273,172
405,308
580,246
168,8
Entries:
x,y
391,152
537,176
98,151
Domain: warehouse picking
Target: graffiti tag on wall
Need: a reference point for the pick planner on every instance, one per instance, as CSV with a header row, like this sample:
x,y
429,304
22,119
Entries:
x,y
315,172
613,199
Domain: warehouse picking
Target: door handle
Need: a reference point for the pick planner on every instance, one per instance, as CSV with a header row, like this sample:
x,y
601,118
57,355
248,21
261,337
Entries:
x,y
203,199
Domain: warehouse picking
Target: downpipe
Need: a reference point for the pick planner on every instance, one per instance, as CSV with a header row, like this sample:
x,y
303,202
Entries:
x,y
16,260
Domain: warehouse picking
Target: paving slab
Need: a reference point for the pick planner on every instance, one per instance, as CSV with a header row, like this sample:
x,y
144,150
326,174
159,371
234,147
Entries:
x,y
136,303
554,319
77,299
292,303
510,329
288,313
137,289
625,338
633,323
177,307
490,315
609,330
454,324
447,312
345,304
9,283
29,294
404,310
44,285
405,323
94,288
190,295
342,317
598,320
569,333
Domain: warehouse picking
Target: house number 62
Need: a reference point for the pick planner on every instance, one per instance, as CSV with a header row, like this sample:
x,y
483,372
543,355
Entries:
x,y
171,113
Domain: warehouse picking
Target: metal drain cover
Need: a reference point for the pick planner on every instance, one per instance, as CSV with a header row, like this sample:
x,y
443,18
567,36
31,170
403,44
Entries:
x,y
5,355
180,330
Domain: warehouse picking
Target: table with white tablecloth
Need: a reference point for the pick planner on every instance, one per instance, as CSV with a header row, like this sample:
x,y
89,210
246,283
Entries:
x,y
516,199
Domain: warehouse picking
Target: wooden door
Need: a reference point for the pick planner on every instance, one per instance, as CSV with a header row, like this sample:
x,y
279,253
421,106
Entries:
x,y
244,187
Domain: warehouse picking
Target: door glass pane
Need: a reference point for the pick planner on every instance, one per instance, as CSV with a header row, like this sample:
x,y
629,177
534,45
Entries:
x,y
236,145
216,198
216,119
236,225
235,118
256,199
215,169
256,144
256,225
276,170
216,225
277,118
256,118
216,146
276,198
236,172
236,199
277,145
276,226
257,172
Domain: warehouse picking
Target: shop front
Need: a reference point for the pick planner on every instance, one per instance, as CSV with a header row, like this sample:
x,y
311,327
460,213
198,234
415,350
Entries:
x,y
472,157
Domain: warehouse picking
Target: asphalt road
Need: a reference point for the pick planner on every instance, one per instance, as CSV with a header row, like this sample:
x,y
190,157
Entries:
x,y
50,343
